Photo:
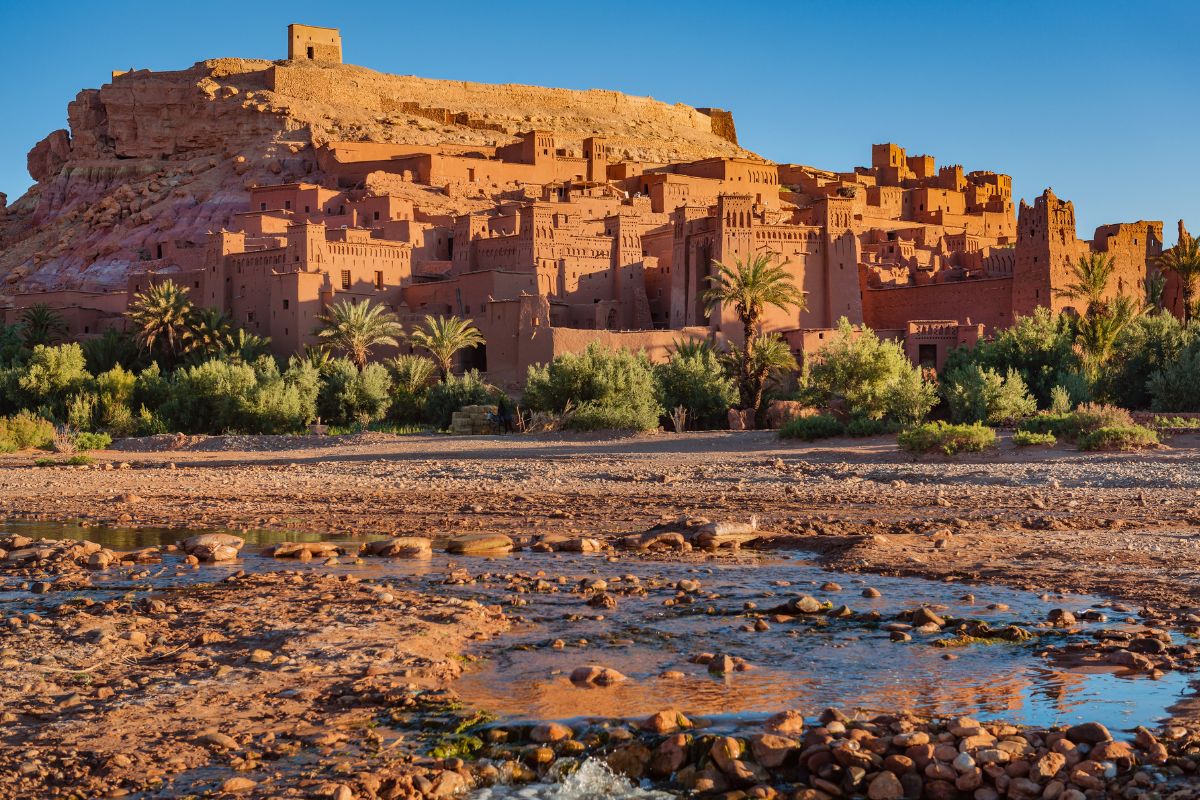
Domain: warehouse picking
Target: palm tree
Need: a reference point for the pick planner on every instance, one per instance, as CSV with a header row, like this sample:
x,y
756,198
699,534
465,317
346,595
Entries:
x,y
111,349
41,324
161,317
357,328
411,373
1154,284
248,347
1184,260
769,356
748,287
1092,273
691,348
211,334
442,337
1100,329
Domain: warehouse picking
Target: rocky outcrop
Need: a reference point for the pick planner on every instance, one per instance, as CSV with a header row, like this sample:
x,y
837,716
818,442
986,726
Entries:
x,y
168,156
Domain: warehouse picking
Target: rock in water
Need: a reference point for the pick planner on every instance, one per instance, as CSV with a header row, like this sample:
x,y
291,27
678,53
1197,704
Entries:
x,y
213,546
479,544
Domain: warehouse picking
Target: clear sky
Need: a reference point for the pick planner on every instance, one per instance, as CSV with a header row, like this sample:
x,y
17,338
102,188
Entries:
x,y
1099,100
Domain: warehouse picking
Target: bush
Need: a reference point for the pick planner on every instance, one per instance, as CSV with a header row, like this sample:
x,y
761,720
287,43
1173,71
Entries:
x,y
595,417
1039,347
697,381
1119,437
448,396
348,396
25,430
51,376
81,411
871,377
821,426
946,438
1079,423
1060,400
870,427
1176,385
220,396
79,460
599,378
976,394
1029,438
1151,344
92,441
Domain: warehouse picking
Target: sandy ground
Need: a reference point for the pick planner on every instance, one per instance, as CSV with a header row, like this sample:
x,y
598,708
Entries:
x,y
1123,525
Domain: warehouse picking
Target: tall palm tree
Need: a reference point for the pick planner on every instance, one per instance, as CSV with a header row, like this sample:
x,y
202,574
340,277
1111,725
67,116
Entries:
x,y
161,317
1184,260
357,328
41,324
748,287
442,337
1092,273
211,334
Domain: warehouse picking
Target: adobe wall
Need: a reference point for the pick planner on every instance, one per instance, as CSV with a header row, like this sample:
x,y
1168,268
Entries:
x,y
986,301
311,43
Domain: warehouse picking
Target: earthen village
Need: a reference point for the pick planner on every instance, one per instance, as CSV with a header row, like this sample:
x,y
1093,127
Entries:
x,y
379,437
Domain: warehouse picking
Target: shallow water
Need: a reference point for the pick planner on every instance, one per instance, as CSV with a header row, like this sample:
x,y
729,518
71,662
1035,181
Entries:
x,y
807,665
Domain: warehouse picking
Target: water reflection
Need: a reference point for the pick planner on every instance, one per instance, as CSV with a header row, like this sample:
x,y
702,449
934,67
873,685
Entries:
x,y
796,664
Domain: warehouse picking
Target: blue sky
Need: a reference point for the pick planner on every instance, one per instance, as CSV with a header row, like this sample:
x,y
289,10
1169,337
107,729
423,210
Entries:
x,y
1098,99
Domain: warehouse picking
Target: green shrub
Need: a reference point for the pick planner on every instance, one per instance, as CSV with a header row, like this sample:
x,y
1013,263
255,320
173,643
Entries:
x,y
1046,423
81,411
865,426
221,396
149,423
977,394
945,438
1149,345
51,376
596,417
599,378
1060,400
25,430
1029,438
45,461
92,441
820,426
348,396
871,377
79,460
1082,421
696,380
1039,347
1118,437
448,396
1176,385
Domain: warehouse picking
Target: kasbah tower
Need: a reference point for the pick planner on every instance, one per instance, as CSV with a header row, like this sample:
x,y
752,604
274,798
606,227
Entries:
x,y
550,238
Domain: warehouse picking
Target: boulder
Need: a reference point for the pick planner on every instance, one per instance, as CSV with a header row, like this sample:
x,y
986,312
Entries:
x,y
596,676
781,412
303,550
479,544
213,546
400,547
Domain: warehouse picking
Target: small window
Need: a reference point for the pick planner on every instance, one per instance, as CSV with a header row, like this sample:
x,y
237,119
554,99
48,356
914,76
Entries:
x,y
287,205
285,304
345,279
378,280
196,284
376,215
311,55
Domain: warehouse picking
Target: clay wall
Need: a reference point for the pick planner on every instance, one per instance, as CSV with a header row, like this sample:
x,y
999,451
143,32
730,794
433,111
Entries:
x,y
986,301
308,42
